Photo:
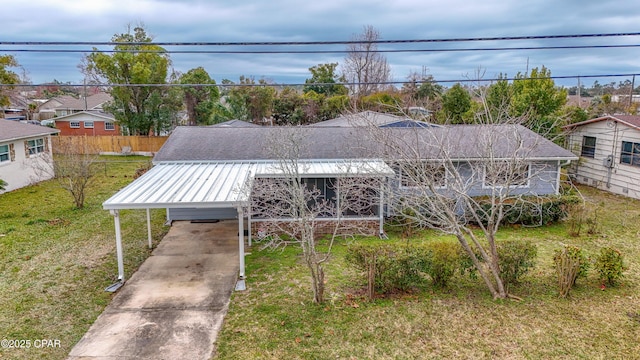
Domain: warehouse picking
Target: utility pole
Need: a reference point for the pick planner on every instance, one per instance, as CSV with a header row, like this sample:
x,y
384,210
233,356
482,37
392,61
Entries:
x,y
579,97
633,81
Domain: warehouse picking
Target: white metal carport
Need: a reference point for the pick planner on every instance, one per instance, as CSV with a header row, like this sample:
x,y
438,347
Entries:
x,y
216,185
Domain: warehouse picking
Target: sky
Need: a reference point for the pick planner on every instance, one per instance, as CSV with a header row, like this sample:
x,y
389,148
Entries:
x,y
333,20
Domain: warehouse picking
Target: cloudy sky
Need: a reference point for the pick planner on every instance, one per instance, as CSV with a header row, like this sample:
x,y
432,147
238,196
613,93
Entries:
x,y
333,20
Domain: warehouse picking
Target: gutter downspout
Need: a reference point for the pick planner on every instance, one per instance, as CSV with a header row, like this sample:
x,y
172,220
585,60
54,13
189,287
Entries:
x,y
560,165
613,151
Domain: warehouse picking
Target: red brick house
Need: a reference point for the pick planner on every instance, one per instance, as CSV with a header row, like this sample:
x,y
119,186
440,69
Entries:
x,y
91,123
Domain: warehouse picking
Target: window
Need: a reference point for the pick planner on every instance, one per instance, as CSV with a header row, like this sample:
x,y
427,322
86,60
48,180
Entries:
x,y
4,153
74,124
88,124
588,147
35,146
630,153
506,175
423,174
109,126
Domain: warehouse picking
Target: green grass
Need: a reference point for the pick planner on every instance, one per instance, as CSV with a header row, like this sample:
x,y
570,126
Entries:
x,y
56,261
275,319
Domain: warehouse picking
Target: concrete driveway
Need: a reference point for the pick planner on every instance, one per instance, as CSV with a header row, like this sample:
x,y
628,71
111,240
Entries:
x,y
174,305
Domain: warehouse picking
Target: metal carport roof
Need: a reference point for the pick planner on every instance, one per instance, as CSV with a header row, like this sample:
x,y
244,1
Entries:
x,y
185,185
222,184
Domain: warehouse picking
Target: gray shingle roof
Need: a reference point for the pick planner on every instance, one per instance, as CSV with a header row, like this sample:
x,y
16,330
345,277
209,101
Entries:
x,y
91,102
12,130
459,141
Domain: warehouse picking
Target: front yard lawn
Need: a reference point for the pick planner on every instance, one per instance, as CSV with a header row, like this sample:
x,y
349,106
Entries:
x,y
275,318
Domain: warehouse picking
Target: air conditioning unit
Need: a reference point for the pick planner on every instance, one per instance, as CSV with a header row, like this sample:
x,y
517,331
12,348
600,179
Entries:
x,y
608,161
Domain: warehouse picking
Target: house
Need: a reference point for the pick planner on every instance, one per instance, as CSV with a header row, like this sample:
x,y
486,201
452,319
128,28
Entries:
x,y
24,151
209,172
235,123
47,109
367,118
71,105
90,122
609,150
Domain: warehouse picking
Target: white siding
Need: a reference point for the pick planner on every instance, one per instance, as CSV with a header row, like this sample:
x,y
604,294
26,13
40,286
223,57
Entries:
x,y
23,171
622,179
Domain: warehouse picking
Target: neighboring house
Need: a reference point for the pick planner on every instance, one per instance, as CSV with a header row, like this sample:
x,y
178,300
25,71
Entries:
x,y
235,123
24,151
367,118
18,108
89,103
92,123
609,150
47,109
208,172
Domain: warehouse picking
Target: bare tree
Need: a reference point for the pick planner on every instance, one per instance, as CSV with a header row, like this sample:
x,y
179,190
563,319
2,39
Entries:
x,y
364,66
291,208
460,178
73,167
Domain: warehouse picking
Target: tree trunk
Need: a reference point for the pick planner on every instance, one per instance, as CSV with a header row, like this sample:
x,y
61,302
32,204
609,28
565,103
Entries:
x,y
497,289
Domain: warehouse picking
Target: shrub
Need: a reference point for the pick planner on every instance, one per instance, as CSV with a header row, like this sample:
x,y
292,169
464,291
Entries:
x,y
390,267
577,214
533,211
516,257
571,263
445,261
610,266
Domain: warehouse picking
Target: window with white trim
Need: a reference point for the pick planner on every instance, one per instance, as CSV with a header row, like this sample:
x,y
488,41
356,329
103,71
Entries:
x,y
36,146
74,124
109,125
88,124
506,174
4,153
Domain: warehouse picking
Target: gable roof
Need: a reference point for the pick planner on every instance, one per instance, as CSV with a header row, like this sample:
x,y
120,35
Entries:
x,y
632,121
99,115
368,118
90,102
15,130
467,142
235,123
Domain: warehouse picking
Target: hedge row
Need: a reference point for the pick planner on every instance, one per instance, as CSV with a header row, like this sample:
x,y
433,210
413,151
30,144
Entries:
x,y
395,267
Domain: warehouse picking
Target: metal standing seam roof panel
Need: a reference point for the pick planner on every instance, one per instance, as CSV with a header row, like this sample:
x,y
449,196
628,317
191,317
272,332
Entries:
x,y
184,185
221,184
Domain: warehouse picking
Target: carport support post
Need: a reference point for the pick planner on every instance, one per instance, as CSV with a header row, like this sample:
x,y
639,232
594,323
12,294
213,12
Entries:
x,y
249,225
119,252
241,240
381,209
149,229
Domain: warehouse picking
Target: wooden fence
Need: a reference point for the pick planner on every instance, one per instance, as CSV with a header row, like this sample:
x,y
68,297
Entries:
x,y
108,144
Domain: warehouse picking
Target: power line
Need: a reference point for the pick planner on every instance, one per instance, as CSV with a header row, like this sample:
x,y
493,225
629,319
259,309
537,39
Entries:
x,y
327,84
239,52
339,42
